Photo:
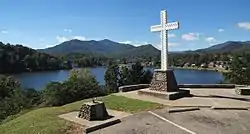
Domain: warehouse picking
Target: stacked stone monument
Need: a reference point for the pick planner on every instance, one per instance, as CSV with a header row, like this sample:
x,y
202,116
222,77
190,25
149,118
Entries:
x,y
94,110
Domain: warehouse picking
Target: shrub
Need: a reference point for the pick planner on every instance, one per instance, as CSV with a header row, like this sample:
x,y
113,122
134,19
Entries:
x,y
80,85
13,99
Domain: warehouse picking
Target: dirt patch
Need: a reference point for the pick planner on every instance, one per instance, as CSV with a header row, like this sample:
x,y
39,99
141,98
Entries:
x,y
75,129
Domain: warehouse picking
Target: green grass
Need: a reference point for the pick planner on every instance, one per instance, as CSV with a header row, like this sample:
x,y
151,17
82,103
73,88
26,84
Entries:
x,y
46,120
121,103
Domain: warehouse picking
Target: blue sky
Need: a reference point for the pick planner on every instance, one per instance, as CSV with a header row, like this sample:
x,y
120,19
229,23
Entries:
x,y
43,23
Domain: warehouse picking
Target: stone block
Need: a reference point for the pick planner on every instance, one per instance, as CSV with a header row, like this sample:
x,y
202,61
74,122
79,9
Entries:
x,y
128,88
165,95
182,109
243,91
164,80
93,111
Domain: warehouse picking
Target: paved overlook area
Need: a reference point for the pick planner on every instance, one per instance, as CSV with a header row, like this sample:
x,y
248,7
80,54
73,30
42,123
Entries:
x,y
203,121
204,97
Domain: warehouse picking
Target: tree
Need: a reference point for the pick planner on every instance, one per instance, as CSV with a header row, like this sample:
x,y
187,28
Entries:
x,y
80,85
124,76
146,77
53,95
8,86
111,77
239,69
136,73
17,58
115,77
13,99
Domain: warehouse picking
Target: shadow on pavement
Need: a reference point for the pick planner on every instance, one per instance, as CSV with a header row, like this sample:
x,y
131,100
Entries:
x,y
219,96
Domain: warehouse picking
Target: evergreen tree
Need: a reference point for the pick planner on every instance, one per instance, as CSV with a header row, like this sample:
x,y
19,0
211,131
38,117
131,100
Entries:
x,y
112,77
239,69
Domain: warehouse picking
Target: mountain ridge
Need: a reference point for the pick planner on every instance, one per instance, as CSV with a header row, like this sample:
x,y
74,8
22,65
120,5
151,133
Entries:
x,y
110,47
104,46
228,46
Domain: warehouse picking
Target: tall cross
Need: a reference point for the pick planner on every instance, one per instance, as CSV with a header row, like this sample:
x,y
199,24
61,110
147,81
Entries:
x,y
163,28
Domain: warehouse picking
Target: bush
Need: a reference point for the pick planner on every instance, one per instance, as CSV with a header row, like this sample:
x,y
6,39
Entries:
x,y
115,77
13,99
80,85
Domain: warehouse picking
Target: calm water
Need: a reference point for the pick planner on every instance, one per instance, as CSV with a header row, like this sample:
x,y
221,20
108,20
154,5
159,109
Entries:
x,y
38,80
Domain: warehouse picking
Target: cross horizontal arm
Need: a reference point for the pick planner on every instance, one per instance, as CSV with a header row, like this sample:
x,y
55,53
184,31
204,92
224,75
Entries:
x,y
168,26
156,28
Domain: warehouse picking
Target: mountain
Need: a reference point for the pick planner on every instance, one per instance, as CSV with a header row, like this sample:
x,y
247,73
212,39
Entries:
x,y
229,46
101,47
144,50
92,46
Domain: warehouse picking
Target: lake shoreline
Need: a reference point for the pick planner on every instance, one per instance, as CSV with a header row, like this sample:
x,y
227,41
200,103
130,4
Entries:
x,y
203,69
38,80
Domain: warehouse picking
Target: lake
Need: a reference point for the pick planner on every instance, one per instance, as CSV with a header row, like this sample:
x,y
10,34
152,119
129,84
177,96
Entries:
x,y
38,80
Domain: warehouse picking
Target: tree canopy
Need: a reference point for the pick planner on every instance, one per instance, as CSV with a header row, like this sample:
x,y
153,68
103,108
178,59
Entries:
x,y
17,58
239,69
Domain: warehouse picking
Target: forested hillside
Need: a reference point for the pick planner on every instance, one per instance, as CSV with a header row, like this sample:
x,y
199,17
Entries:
x,y
18,58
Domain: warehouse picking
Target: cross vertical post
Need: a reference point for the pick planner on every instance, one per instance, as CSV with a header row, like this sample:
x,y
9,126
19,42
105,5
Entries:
x,y
163,28
164,55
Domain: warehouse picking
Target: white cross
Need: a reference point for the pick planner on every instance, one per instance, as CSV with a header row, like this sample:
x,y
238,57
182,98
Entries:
x,y
164,27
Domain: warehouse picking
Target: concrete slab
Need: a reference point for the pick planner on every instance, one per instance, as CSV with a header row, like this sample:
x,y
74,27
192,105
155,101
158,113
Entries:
x,y
211,121
142,123
165,95
201,98
203,121
94,125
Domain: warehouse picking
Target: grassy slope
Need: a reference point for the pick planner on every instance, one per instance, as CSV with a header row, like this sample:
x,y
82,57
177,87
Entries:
x,y
46,120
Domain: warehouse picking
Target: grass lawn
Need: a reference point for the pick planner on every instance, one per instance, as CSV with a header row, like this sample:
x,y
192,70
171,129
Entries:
x,y
46,120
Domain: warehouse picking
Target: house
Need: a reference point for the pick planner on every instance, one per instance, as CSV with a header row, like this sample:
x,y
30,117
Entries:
x,y
187,64
211,65
204,65
193,65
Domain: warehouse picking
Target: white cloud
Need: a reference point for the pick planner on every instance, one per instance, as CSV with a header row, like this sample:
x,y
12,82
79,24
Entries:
x,y
190,36
171,35
138,43
126,42
244,25
4,32
79,37
221,30
134,43
67,30
61,39
210,40
47,46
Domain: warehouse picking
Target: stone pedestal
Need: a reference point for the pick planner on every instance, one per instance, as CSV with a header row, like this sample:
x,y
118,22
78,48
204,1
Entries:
x,y
93,111
164,86
164,80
